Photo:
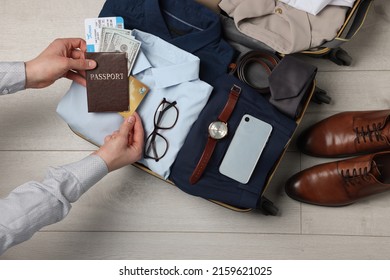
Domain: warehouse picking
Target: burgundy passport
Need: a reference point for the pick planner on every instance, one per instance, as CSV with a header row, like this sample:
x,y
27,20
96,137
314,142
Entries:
x,y
108,83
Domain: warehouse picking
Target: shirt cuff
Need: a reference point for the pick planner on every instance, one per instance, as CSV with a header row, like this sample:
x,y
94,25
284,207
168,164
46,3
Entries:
x,y
88,171
12,77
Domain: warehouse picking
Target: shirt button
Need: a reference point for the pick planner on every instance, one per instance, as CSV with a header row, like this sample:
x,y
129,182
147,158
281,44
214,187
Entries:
x,y
278,11
5,91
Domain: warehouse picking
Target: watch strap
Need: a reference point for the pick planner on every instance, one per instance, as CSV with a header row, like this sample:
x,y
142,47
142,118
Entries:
x,y
204,159
211,142
230,104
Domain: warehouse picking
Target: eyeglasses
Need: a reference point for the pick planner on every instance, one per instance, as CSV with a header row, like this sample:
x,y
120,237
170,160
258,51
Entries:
x,y
165,117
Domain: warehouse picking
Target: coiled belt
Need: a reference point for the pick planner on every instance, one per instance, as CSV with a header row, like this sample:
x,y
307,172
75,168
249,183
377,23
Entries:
x,y
246,70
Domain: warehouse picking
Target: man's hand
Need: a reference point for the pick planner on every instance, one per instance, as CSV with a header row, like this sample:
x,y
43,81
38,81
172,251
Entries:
x,y
124,146
62,58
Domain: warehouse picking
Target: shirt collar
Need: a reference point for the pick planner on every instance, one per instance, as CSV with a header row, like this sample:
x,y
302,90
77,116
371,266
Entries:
x,y
179,66
186,12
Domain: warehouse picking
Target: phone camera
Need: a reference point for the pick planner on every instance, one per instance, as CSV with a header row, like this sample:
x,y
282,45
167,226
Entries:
x,y
247,119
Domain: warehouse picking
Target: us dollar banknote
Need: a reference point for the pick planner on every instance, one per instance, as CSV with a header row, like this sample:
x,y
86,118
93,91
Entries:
x,y
114,40
106,36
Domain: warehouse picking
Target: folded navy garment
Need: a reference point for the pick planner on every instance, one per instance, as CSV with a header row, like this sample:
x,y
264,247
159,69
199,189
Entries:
x,y
213,185
183,23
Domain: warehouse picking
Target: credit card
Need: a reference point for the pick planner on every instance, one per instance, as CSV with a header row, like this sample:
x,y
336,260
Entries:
x,y
93,28
137,92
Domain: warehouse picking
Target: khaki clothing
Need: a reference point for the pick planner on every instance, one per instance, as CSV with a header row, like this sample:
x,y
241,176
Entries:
x,y
282,27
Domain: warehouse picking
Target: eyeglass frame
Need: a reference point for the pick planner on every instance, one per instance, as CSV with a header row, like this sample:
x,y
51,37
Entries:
x,y
157,127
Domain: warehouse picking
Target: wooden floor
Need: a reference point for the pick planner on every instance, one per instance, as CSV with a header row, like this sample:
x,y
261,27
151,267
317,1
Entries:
x,y
132,215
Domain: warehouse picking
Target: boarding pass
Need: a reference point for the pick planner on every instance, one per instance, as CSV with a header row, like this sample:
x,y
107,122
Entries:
x,y
93,27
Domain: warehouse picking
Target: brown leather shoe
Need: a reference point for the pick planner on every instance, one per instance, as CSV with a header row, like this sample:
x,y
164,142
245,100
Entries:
x,y
347,134
342,182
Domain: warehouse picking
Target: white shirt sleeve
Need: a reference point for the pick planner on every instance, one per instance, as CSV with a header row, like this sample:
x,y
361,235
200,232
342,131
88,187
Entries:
x,y
34,205
315,6
12,77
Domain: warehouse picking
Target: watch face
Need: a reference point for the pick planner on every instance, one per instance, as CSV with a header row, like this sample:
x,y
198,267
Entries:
x,y
218,130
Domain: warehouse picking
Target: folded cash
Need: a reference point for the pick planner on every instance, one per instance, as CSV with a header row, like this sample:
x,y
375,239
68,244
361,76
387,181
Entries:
x,y
107,33
120,40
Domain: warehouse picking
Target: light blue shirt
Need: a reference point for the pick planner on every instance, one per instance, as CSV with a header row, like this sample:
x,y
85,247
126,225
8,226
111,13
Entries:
x,y
34,204
170,73
12,77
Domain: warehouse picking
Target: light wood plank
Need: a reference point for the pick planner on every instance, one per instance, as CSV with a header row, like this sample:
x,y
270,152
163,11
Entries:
x,y
29,122
192,246
132,215
28,27
130,199
350,91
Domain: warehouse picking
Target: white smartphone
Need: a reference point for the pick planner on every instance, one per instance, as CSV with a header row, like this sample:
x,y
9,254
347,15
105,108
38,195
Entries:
x,y
245,148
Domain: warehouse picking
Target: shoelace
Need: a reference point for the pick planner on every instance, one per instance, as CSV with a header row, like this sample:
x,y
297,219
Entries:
x,y
355,173
365,133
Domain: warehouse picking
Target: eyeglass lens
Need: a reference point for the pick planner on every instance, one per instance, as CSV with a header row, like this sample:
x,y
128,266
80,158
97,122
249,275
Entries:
x,y
166,115
156,146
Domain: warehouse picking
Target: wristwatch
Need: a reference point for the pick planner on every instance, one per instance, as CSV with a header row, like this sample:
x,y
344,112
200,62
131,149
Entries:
x,y
217,130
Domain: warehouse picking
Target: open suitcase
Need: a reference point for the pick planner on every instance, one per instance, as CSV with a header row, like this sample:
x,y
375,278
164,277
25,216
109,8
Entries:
x,y
211,185
330,50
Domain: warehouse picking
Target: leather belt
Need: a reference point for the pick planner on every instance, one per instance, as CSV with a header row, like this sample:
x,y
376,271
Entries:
x,y
243,67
